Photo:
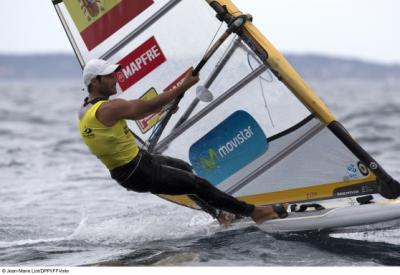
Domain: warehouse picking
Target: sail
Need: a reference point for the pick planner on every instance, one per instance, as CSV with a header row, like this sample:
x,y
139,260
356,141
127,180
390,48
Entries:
x,y
265,137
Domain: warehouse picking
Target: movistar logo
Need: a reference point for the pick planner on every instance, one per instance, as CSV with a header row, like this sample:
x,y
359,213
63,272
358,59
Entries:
x,y
228,148
209,163
235,142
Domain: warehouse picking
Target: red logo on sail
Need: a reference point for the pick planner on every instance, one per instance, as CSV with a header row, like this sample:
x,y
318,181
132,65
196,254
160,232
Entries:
x,y
177,82
139,63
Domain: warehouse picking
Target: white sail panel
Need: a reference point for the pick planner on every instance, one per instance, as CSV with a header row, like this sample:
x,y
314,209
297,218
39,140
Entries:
x,y
298,153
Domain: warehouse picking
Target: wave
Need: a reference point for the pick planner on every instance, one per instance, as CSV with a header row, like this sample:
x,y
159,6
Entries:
x,y
28,242
144,225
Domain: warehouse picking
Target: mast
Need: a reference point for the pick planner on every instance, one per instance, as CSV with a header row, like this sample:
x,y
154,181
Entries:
x,y
67,30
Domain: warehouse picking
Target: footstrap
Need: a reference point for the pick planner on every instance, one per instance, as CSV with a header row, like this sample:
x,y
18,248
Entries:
x,y
280,210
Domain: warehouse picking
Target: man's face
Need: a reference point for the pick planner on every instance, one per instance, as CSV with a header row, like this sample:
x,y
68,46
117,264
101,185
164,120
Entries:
x,y
107,84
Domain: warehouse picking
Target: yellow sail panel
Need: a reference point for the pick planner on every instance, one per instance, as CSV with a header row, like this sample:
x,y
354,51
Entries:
x,y
148,122
312,193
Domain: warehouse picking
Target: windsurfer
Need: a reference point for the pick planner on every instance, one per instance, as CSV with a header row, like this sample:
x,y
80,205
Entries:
x,y
103,128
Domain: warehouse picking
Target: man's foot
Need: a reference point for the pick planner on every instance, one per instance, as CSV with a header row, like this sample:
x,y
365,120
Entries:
x,y
225,218
264,213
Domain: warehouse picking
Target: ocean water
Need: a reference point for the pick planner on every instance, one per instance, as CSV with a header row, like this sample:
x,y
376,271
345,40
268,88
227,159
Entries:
x,y
60,208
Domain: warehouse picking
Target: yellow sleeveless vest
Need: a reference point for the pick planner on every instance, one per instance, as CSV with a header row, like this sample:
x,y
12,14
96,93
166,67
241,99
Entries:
x,y
114,146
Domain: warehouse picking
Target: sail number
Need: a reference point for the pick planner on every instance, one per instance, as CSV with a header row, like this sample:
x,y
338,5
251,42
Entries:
x,y
311,195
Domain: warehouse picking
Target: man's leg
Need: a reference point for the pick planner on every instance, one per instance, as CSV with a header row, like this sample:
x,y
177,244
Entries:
x,y
180,164
173,181
173,162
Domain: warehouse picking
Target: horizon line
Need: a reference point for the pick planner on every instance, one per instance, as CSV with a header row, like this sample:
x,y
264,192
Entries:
x,y
316,54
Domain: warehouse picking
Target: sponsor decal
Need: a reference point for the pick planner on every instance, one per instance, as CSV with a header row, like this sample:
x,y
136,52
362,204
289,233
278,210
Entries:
x,y
126,130
356,190
148,122
352,171
139,63
96,20
230,146
209,162
88,133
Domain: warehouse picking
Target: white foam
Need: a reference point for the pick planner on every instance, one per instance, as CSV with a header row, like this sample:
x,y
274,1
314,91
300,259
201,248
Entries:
x,y
159,222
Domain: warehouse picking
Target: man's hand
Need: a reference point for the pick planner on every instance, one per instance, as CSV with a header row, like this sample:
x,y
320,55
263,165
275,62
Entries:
x,y
190,79
168,107
175,110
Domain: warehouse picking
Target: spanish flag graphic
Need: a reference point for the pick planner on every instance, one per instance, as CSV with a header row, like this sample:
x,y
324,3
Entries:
x,y
96,20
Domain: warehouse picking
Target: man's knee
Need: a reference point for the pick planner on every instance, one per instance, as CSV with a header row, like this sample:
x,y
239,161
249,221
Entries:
x,y
180,164
186,166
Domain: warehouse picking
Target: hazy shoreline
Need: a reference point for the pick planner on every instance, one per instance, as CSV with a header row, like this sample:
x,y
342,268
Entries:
x,y
310,66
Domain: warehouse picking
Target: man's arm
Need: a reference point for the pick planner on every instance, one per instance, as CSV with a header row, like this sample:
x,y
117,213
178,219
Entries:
x,y
109,113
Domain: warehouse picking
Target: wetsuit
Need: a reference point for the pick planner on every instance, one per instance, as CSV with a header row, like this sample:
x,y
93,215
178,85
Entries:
x,y
140,171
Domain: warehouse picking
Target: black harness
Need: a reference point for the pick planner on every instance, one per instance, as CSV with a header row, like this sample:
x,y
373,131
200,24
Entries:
x,y
86,102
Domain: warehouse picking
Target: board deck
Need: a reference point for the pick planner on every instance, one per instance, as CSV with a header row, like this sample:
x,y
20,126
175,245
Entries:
x,y
340,219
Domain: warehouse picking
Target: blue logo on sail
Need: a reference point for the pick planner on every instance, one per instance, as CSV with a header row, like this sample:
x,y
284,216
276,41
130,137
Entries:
x,y
227,148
